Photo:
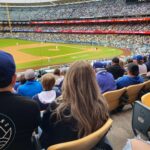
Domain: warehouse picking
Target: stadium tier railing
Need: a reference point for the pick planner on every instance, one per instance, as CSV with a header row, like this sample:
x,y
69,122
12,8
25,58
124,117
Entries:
x,y
143,19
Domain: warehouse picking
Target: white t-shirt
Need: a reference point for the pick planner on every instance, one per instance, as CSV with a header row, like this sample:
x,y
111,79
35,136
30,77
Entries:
x,y
142,69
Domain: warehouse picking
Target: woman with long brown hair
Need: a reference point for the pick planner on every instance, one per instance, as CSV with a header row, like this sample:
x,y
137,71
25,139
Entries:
x,y
80,110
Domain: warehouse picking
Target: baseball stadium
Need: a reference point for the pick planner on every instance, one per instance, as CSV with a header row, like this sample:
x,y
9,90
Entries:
x,y
74,74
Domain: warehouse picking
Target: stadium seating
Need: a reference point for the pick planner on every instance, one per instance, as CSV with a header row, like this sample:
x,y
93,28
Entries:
x,y
97,9
86,27
113,98
133,92
140,119
146,99
146,86
85,143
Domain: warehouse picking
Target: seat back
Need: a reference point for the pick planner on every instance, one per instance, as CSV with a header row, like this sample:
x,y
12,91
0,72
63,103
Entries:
x,y
85,143
140,119
146,99
113,98
147,86
133,92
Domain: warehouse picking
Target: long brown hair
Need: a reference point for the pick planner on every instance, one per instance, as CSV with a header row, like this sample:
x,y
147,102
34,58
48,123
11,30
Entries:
x,y
80,92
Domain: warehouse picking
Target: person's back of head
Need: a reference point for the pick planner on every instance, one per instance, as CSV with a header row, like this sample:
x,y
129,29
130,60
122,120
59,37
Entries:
x,y
57,72
29,74
129,60
133,69
145,59
80,92
63,71
121,64
22,78
7,71
115,61
48,81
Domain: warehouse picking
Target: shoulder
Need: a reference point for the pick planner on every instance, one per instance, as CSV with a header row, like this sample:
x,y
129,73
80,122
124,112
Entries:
x,y
37,82
21,86
141,79
25,102
123,78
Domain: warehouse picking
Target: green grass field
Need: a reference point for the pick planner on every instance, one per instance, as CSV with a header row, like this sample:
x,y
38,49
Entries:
x,y
57,53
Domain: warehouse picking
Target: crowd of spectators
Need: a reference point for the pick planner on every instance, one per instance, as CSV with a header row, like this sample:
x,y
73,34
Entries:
x,y
103,26
138,44
110,75
95,9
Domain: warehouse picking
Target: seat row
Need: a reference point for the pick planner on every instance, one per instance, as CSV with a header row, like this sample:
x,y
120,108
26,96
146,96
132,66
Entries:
x,y
127,95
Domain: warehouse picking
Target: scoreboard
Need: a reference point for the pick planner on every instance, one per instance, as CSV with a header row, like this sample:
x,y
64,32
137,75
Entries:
x,y
136,1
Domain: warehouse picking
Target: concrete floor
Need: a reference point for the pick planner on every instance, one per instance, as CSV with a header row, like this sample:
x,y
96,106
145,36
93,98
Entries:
x,y
121,129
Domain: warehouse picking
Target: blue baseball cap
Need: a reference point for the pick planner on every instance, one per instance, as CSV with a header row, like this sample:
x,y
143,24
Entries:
x,y
7,68
139,57
98,64
134,57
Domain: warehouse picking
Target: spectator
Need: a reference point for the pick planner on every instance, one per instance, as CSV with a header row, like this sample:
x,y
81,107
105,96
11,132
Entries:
x,y
17,83
144,59
70,118
48,95
131,78
105,81
115,68
59,78
99,64
19,116
31,86
129,60
62,73
134,58
20,80
148,66
142,66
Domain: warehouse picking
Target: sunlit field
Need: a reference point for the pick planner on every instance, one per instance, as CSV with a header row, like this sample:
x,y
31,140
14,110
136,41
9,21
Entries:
x,y
30,54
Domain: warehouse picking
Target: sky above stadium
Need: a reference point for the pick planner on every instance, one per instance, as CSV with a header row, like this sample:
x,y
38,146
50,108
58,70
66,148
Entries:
x,y
24,1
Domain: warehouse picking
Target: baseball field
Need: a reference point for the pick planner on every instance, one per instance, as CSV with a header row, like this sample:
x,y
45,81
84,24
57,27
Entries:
x,y
30,54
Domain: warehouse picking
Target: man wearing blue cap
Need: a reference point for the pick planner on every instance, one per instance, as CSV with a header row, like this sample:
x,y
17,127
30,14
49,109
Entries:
x,y
104,79
18,115
141,65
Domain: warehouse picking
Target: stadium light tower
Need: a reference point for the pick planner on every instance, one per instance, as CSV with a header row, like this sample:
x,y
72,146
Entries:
x,y
8,17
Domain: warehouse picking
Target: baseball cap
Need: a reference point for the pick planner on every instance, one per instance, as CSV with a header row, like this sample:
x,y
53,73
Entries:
x,y
134,57
29,74
139,57
98,65
7,68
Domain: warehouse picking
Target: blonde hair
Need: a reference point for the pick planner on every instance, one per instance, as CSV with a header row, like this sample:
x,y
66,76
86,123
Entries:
x,y
81,94
48,81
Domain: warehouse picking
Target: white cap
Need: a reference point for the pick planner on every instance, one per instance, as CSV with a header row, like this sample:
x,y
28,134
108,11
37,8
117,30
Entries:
x,y
29,74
